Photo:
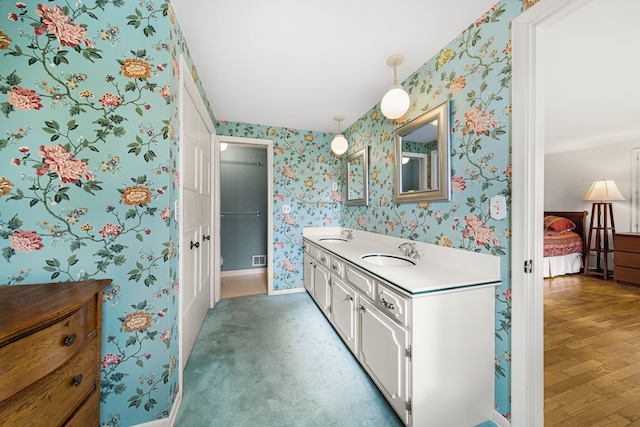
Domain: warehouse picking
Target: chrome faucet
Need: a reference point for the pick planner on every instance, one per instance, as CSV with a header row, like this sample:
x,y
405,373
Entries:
x,y
349,234
410,250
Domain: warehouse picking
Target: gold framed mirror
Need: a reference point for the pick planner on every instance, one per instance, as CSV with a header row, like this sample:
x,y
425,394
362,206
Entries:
x,y
358,178
422,158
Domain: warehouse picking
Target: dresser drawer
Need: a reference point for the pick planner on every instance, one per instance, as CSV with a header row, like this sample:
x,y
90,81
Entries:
x,y
627,242
626,274
26,360
52,401
361,280
89,413
627,259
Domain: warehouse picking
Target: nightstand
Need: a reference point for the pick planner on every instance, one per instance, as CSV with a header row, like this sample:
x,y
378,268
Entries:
x,y
627,258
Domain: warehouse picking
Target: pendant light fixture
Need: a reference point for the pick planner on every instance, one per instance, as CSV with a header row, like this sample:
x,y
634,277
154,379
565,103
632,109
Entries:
x,y
395,102
339,144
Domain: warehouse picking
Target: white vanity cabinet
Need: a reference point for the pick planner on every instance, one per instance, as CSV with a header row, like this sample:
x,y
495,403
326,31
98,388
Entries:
x,y
429,351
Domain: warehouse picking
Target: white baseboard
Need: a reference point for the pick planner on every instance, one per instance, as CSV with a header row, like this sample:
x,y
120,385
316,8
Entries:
x,y
243,272
286,291
500,420
170,420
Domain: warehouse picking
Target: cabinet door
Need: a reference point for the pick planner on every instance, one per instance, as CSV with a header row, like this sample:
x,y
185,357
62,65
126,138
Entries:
x,y
308,273
383,347
322,288
344,312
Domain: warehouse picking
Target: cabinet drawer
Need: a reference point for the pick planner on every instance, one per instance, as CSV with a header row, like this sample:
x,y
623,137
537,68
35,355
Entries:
x,y
627,242
51,401
627,259
25,361
88,414
626,274
393,304
323,258
307,247
361,281
337,267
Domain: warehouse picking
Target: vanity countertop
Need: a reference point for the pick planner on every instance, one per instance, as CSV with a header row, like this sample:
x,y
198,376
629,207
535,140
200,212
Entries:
x,y
438,269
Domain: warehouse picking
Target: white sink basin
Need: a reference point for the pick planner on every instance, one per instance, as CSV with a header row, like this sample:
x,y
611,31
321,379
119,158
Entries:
x,y
333,239
388,260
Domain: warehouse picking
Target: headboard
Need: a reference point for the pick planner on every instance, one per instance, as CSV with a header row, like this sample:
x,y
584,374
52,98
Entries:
x,y
579,218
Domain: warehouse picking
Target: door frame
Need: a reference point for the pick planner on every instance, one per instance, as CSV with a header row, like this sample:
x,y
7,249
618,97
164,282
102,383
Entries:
x,y
527,342
266,144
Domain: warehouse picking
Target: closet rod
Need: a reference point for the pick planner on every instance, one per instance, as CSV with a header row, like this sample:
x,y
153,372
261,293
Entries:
x,y
238,162
257,213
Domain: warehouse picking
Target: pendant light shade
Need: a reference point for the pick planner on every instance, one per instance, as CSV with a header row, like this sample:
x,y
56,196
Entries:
x,y
396,101
339,145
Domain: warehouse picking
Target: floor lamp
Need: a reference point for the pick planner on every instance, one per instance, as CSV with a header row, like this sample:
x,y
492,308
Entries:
x,y
602,193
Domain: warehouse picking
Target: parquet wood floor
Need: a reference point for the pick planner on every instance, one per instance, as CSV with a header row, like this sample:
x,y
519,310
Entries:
x,y
591,352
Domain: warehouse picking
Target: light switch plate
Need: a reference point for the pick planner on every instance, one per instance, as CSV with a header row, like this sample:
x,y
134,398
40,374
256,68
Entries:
x,y
334,186
286,209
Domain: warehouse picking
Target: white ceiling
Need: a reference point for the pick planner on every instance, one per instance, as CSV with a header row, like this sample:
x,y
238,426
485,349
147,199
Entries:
x,y
592,88
297,64
300,63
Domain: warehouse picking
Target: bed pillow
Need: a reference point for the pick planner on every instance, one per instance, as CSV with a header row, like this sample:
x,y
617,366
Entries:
x,y
558,223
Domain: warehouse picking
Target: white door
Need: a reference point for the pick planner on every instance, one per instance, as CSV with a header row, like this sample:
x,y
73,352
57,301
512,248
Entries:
x,y
196,248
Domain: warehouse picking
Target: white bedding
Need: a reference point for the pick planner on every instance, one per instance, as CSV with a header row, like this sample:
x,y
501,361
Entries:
x,y
559,265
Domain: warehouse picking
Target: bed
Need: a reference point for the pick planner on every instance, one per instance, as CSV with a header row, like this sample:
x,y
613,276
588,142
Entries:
x,y
564,242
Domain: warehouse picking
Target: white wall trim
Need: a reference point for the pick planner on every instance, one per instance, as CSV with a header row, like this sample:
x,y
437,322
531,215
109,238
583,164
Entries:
x,y
500,420
527,344
268,145
230,273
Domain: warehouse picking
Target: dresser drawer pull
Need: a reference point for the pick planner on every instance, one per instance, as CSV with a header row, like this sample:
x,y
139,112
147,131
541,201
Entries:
x,y
69,340
77,380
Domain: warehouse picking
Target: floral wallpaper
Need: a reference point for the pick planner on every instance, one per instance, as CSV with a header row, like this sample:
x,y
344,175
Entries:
x,y
88,145
89,148
304,169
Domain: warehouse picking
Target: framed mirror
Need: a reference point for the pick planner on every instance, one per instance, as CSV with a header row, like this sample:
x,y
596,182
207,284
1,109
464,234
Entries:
x,y
358,178
422,158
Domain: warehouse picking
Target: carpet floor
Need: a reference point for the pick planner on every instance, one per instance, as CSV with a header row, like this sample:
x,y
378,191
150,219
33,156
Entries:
x,y
276,361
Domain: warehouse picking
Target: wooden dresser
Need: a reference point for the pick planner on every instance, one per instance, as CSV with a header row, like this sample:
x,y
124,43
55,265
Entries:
x,y
50,337
626,258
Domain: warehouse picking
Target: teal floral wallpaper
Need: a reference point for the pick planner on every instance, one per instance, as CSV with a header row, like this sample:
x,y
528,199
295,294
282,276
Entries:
x,y
88,98
89,149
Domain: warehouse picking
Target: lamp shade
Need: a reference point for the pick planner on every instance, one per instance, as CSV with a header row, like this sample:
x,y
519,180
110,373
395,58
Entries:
x,y
603,190
339,144
395,102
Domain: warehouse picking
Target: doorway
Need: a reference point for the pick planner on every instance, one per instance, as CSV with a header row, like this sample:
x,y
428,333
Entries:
x,y
528,32
245,200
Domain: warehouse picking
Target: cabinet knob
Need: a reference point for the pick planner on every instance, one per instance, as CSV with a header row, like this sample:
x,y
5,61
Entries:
x,y
205,237
362,309
387,304
77,380
349,297
69,340
324,259
335,267
194,245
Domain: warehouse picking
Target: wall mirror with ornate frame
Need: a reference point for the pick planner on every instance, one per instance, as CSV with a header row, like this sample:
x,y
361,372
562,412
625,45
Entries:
x,y
422,158
358,178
